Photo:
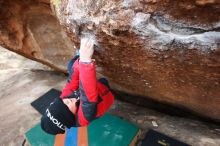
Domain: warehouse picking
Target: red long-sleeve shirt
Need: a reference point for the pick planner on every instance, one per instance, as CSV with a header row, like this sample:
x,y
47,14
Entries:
x,y
95,97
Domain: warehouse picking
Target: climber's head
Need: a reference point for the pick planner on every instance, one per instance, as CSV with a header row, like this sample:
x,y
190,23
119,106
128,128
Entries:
x,y
58,117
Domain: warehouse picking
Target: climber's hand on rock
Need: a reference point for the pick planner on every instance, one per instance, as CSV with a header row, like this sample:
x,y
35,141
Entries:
x,y
86,49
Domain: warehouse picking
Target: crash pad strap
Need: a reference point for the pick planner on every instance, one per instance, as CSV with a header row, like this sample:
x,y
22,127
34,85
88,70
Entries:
x,y
82,136
60,140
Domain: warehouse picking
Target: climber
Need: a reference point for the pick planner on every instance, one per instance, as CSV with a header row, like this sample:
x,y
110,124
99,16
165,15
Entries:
x,y
83,98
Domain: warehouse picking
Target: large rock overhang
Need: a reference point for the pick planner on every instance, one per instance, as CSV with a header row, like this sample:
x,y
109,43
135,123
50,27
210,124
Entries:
x,y
31,29
165,51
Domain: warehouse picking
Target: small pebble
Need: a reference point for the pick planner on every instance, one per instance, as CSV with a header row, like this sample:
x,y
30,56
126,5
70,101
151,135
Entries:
x,y
140,121
154,123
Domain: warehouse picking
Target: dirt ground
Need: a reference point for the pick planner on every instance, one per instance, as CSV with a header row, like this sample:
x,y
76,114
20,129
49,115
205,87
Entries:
x,y
22,81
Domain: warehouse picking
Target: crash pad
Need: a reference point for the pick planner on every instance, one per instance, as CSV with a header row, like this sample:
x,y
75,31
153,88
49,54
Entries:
x,y
108,130
111,131
154,138
37,137
41,103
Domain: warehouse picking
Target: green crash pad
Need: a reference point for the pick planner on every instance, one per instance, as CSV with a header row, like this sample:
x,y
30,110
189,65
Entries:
x,y
37,137
108,130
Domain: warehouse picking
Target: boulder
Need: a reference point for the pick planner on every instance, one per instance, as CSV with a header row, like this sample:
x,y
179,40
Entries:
x,y
31,29
168,51
164,50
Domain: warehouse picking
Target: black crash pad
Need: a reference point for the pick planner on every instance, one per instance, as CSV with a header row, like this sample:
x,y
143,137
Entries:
x,y
44,101
154,138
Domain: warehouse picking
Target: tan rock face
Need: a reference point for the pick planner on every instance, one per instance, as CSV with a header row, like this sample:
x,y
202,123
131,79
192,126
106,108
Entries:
x,y
166,50
29,28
